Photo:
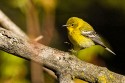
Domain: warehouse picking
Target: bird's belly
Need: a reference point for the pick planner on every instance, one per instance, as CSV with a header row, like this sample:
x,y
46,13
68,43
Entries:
x,y
80,40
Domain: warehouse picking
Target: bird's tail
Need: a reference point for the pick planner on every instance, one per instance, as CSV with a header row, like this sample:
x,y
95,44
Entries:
x,y
110,51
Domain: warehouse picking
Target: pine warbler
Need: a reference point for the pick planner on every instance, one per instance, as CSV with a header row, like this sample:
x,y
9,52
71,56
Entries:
x,y
82,35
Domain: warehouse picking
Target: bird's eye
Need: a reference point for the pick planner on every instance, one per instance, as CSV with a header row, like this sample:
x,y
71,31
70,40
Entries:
x,y
72,24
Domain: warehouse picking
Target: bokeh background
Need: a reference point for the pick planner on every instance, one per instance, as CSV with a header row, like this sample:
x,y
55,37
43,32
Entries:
x,y
46,17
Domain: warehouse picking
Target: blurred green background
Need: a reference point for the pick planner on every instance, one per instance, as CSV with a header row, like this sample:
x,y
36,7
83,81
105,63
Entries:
x,y
46,17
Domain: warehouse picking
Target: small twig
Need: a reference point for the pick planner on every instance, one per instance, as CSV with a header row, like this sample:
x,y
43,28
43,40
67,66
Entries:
x,y
66,78
38,38
50,72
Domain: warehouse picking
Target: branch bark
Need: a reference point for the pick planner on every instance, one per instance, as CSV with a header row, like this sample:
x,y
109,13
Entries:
x,y
9,25
61,62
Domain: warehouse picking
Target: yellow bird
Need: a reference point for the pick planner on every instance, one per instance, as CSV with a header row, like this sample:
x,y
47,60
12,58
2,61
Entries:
x,y
82,35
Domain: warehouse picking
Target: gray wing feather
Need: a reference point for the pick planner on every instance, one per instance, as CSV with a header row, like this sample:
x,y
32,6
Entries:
x,y
95,37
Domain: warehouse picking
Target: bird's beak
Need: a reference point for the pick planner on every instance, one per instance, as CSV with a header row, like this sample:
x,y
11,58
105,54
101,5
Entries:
x,y
64,25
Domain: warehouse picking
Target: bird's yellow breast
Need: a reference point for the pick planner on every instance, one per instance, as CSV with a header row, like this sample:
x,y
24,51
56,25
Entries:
x,y
77,39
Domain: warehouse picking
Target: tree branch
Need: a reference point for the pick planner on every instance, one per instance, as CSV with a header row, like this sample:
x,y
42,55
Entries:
x,y
9,25
61,62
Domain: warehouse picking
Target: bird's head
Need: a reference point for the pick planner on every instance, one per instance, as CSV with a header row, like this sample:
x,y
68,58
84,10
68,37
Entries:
x,y
77,23
74,23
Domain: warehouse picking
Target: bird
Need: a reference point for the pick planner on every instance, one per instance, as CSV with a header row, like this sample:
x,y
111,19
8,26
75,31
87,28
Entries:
x,y
82,35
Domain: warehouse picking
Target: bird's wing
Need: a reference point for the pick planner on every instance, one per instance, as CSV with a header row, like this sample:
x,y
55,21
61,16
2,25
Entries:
x,y
93,36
